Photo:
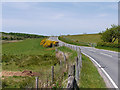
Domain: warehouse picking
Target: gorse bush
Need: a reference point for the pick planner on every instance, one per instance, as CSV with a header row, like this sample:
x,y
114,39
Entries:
x,y
48,43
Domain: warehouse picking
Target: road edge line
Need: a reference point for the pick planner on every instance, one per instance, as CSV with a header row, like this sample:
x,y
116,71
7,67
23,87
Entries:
x,y
113,83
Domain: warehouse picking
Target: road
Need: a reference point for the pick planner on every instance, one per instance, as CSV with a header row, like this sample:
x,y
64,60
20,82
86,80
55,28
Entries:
x,y
108,60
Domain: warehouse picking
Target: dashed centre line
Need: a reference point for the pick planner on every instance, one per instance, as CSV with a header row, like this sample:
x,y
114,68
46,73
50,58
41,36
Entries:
x,y
106,54
92,50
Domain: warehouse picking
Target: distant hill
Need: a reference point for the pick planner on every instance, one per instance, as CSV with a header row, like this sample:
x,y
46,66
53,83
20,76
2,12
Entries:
x,y
19,36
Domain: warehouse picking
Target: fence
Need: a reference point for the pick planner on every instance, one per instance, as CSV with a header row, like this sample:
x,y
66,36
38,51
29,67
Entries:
x,y
54,76
73,79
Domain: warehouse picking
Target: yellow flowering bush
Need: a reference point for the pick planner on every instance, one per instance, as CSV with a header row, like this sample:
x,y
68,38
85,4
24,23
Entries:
x,y
48,43
43,41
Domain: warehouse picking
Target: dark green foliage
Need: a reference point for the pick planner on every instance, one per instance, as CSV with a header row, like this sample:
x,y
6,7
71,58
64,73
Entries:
x,y
111,34
12,38
19,36
108,44
110,37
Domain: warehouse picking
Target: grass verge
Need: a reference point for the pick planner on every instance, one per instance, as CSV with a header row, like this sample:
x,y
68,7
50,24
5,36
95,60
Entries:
x,y
89,77
109,48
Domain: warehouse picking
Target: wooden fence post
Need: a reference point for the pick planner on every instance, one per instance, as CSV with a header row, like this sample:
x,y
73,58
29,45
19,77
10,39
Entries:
x,y
64,57
76,48
80,57
52,74
36,82
60,64
71,78
77,70
71,71
47,82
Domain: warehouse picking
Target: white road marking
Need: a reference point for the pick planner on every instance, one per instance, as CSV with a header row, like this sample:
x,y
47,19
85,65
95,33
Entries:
x,y
102,70
92,50
106,54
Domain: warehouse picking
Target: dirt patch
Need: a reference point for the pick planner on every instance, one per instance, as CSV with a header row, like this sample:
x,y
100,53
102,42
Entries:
x,y
11,41
18,73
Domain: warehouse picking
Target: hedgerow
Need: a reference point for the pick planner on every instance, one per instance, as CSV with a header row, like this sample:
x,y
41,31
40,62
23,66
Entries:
x,y
108,44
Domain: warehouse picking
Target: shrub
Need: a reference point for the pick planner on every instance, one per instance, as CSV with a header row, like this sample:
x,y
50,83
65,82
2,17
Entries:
x,y
108,44
48,43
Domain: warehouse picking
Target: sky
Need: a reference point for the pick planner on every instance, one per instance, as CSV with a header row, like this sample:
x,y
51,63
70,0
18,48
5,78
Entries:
x,y
58,18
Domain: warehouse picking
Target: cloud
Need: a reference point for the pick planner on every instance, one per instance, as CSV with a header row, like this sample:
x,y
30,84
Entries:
x,y
103,15
58,16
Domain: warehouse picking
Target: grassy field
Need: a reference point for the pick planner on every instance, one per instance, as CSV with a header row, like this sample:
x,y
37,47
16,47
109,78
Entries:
x,y
81,40
90,78
18,82
26,55
30,55
26,47
86,40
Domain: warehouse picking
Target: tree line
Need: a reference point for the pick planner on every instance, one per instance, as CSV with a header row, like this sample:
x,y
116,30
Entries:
x,y
18,36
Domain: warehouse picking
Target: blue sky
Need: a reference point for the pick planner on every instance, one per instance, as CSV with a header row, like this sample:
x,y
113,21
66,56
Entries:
x,y
58,18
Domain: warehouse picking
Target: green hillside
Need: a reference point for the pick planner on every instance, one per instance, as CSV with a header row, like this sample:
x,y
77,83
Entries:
x,y
87,38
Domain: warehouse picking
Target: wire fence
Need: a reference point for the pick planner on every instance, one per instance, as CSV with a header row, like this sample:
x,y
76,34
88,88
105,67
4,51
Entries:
x,y
58,76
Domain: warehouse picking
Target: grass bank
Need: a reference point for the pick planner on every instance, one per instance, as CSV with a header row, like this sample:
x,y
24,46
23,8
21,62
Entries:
x,y
108,48
86,40
89,76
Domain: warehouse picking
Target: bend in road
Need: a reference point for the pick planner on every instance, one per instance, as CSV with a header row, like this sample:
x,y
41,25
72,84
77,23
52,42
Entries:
x,y
107,59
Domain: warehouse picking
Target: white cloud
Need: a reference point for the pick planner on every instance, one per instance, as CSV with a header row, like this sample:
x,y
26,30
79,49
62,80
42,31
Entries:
x,y
58,16
103,15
